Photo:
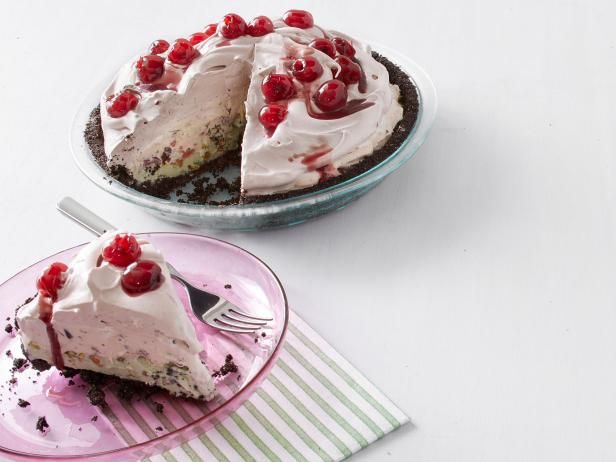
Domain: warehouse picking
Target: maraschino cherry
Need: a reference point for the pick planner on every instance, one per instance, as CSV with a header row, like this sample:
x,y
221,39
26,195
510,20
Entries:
x,y
349,72
276,87
344,47
122,103
331,96
325,46
306,69
122,251
197,37
271,115
259,26
232,26
150,68
159,46
182,52
210,30
298,18
144,276
52,280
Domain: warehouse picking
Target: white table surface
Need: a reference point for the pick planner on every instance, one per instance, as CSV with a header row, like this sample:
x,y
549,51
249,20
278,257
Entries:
x,y
476,286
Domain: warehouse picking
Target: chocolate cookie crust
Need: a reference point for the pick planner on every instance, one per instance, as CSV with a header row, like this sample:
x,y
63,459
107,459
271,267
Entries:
x,y
164,187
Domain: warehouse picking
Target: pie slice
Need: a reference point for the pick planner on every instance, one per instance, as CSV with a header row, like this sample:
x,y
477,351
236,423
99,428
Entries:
x,y
114,310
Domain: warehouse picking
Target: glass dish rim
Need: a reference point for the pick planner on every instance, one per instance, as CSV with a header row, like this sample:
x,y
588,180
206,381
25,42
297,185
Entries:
x,y
425,118
168,436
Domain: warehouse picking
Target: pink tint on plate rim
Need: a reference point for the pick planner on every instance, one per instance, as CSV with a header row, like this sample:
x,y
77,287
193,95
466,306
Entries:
x,y
130,430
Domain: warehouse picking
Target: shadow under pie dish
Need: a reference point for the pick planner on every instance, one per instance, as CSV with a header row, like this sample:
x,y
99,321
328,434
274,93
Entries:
x,y
253,131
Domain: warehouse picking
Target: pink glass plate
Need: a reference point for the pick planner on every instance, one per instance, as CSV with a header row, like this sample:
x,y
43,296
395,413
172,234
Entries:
x,y
137,430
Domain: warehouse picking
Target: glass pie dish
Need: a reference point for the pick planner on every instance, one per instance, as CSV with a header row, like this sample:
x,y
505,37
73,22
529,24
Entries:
x,y
271,214
135,429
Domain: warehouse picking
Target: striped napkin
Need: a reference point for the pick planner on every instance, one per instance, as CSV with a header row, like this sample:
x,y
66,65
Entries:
x,y
314,406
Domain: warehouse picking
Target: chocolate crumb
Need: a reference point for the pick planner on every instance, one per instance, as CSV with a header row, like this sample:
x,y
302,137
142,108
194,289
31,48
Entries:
x,y
8,328
127,389
159,429
71,382
19,363
227,368
263,334
68,334
96,396
8,353
40,364
68,372
94,419
228,286
91,377
159,407
13,381
22,403
41,424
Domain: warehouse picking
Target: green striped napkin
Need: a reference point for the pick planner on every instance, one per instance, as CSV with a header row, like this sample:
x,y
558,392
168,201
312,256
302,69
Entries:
x,y
314,406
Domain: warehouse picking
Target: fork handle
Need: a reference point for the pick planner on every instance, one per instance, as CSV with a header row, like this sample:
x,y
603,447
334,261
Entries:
x,y
83,216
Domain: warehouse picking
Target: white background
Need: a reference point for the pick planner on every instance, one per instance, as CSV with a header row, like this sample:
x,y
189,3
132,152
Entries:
x,y
476,286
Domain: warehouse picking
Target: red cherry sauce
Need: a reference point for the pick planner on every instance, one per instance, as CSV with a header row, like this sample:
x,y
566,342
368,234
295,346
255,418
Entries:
x,y
48,285
311,159
45,315
362,85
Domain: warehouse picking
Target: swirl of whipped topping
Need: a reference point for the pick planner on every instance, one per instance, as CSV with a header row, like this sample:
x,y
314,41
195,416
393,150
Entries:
x,y
223,83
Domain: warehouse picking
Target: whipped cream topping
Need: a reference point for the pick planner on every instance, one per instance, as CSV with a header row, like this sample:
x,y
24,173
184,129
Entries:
x,y
299,153
101,327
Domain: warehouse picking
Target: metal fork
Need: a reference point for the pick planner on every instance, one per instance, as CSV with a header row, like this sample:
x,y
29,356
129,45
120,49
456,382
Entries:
x,y
208,308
